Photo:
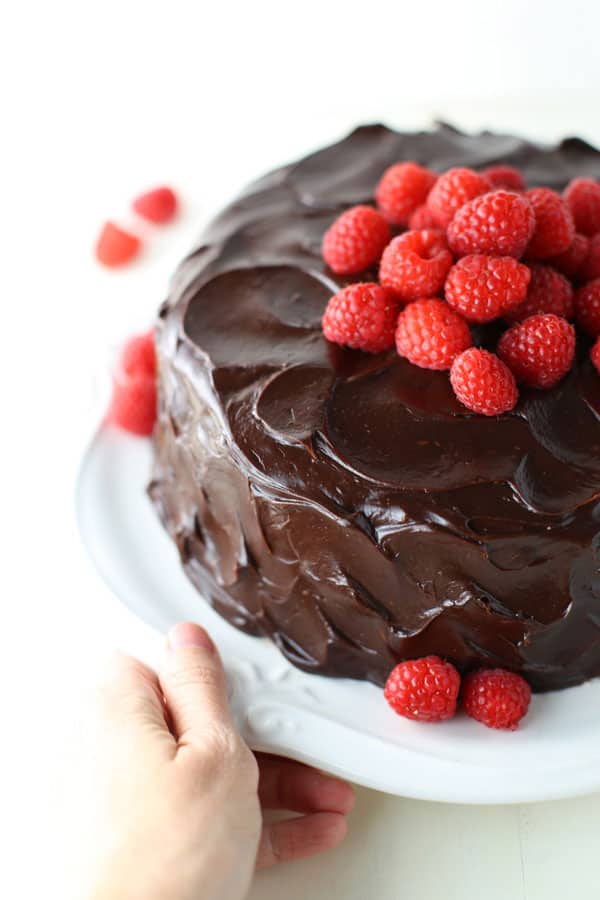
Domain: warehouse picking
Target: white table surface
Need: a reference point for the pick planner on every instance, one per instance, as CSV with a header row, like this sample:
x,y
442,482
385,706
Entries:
x,y
103,99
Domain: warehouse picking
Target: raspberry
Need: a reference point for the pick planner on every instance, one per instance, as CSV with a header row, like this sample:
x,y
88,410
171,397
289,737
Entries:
x,y
355,240
482,288
421,219
548,292
138,356
595,354
500,224
483,383
402,188
452,190
571,261
158,206
539,351
424,689
583,198
430,334
415,264
495,697
554,227
590,268
134,399
587,307
362,316
115,246
506,177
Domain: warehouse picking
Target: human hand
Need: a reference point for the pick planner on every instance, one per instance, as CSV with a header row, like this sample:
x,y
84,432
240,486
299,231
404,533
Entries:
x,y
183,795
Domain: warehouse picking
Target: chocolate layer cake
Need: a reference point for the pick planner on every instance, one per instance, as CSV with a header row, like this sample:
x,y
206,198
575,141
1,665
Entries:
x,y
345,504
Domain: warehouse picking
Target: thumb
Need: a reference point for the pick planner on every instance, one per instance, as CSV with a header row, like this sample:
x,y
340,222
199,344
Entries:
x,y
193,684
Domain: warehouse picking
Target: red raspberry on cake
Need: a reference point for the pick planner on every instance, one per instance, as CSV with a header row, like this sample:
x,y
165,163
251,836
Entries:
x,y
422,219
571,261
583,199
158,205
548,292
539,351
134,398
355,241
554,226
590,268
425,690
483,383
499,224
430,334
115,246
402,188
495,697
595,354
482,288
452,190
587,307
362,316
507,178
415,264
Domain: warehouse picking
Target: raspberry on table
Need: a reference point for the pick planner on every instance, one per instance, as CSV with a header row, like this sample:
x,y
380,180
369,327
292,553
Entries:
x,y
482,288
158,205
430,334
425,690
402,188
506,177
587,307
539,351
422,219
115,246
483,383
554,226
134,397
590,268
548,292
571,261
595,354
495,697
452,190
355,240
415,264
499,224
583,199
362,316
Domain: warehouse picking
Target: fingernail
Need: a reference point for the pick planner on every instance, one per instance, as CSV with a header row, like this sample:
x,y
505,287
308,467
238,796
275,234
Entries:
x,y
188,634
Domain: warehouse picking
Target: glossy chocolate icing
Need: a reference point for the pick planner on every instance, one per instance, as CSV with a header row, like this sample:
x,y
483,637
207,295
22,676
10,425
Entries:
x,y
345,504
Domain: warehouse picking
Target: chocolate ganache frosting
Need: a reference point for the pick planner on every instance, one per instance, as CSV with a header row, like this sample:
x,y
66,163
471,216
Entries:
x,y
345,504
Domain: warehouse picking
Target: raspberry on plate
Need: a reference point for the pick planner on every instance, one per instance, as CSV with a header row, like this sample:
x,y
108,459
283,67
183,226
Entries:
x,y
355,240
595,354
483,383
554,226
539,351
362,316
495,697
430,334
548,292
134,397
452,190
158,205
415,264
590,268
402,188
500,224
587,307
422,219
583,198
425,690
507,178
115,246
138,356
482,288
571,261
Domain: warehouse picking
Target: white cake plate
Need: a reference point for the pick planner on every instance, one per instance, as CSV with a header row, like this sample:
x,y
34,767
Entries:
x,y
342,726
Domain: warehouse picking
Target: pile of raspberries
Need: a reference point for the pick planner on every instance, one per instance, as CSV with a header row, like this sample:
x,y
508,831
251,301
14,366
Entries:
x,y
479,247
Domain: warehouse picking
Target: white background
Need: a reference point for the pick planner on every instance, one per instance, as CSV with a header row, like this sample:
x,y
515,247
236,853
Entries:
x,y
100,100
